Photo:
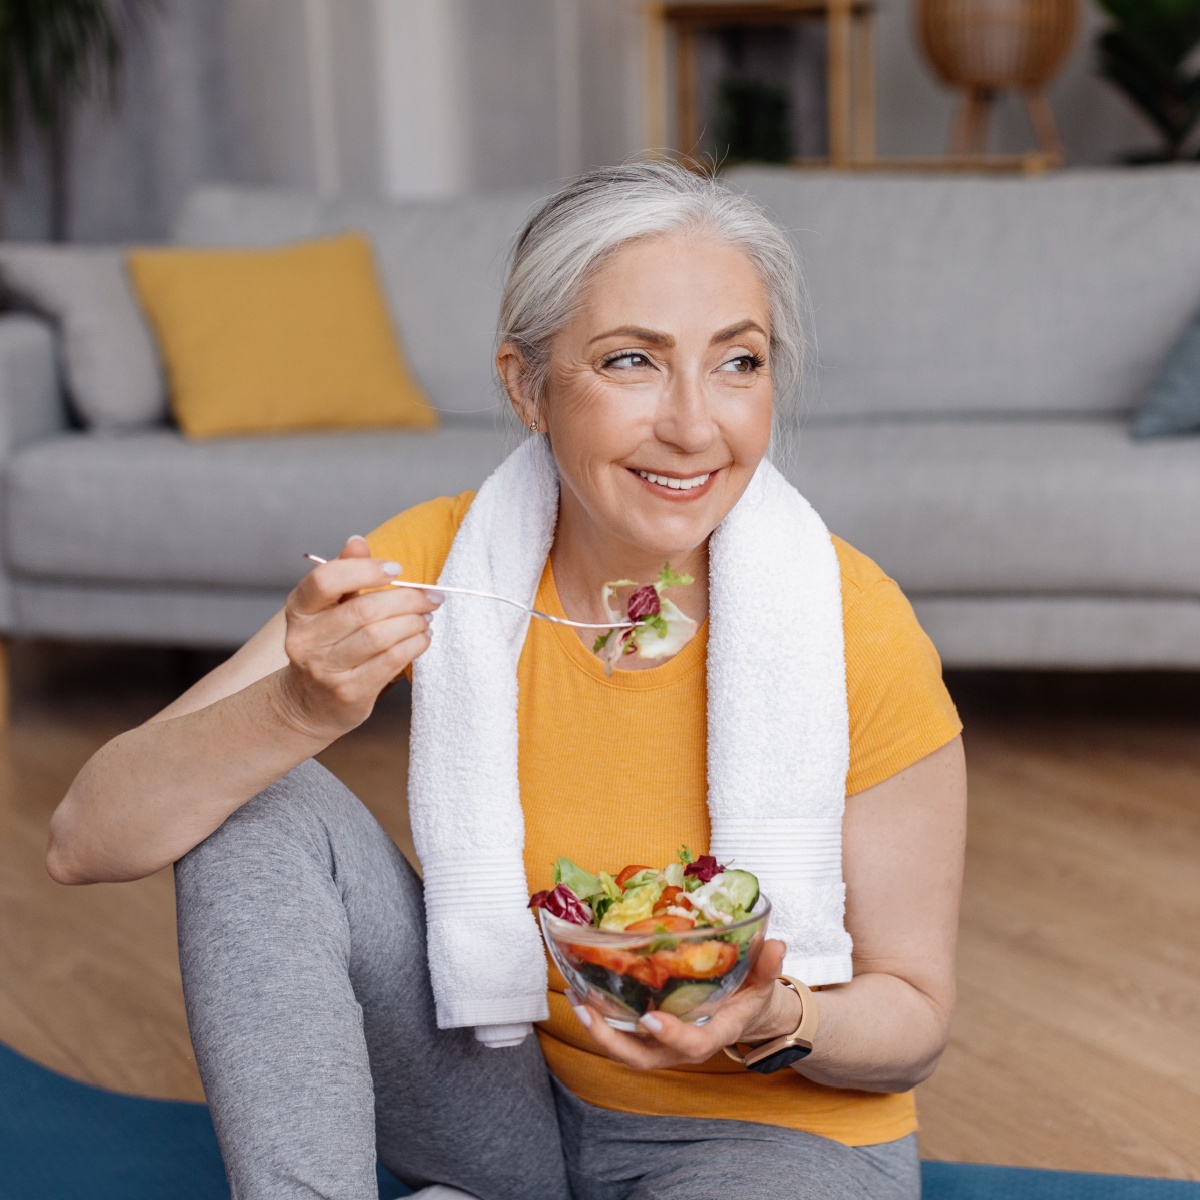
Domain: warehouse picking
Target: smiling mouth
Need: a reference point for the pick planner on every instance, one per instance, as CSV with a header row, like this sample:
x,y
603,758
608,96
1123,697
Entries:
x,y
674,482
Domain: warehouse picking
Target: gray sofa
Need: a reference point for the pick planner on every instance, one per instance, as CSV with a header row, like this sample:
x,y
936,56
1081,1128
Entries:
x,y
981,344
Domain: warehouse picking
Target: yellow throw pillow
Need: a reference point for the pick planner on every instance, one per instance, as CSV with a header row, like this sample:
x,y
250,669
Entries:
x,y
287,338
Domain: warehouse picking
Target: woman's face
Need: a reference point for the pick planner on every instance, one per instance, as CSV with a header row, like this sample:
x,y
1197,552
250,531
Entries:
x,y
658,402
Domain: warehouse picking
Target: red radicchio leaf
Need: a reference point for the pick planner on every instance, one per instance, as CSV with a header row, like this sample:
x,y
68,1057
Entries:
x,y
644,603
704,868
563,903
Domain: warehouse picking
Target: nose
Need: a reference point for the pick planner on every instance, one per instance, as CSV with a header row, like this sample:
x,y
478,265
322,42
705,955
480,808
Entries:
x,y
685,417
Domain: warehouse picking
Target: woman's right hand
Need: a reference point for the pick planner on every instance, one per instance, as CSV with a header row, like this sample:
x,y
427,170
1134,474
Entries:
x,y
345,643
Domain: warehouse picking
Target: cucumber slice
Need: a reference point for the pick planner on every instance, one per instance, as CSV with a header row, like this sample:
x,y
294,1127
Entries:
x,y
742,887
685,997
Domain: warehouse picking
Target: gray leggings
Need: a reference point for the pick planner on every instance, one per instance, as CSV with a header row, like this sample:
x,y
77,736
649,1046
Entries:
x,y
302,942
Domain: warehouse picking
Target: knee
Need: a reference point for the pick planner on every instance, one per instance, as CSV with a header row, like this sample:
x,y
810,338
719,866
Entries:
x,y
292,817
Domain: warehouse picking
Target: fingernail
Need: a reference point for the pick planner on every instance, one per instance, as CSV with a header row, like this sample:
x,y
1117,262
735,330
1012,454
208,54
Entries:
x,y
585,1017
390,568
651,1022
437,597
429,618
356,537
573,997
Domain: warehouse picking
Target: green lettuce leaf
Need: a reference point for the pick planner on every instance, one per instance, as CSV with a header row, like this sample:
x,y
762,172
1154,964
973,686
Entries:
x,y
668,578
581,882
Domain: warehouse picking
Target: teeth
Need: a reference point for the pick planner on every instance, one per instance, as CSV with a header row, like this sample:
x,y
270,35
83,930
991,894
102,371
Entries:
x,y
679,485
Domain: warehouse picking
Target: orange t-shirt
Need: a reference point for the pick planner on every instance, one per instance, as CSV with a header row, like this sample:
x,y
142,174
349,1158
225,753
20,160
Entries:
x,y
614,770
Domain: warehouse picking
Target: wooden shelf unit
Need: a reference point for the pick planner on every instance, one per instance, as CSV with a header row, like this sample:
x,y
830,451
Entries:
x,y
850,66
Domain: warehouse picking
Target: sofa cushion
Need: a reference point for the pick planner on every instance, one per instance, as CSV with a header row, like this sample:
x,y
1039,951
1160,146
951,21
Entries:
x,y
150,507
442,264
271,339
944,294
1173,405
1010,506
109,357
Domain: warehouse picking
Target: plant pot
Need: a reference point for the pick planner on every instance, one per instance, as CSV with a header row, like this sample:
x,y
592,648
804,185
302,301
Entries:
x,y
997,45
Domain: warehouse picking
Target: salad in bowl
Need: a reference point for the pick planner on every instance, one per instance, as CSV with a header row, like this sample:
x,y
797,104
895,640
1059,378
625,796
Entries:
x,y
680,940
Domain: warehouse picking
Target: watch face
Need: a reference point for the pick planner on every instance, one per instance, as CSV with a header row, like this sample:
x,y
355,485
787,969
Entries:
x,y
779,1060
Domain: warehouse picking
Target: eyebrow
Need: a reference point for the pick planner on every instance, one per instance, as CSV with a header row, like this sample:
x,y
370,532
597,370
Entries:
x,y
734,331
646,335
655,338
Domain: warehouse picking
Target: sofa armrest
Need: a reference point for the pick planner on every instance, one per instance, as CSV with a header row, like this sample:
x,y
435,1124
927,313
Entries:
x,y
31,396
31,406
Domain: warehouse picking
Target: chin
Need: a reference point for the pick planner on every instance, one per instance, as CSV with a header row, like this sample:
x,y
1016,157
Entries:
x,y
673,541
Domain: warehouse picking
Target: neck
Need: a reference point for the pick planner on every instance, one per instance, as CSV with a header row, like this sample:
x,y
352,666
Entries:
x,y
585,558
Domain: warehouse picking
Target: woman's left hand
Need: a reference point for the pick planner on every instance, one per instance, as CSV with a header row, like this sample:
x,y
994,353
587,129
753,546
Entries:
x,y
760,1009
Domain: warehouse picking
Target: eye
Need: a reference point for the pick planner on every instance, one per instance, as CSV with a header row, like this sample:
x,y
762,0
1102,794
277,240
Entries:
x,y
744,364
626,360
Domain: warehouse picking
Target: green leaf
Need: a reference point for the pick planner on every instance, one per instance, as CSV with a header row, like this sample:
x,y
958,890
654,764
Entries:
x,y
1146,52
601,642
641,878
685,855
609,885
657,622
57,54
668,578
581,882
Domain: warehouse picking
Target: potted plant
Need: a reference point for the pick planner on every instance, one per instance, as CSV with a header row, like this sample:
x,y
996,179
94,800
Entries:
x,y
1146,51
55,55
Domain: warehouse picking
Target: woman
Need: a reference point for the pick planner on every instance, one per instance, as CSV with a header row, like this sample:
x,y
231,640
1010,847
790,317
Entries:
x,y
650,336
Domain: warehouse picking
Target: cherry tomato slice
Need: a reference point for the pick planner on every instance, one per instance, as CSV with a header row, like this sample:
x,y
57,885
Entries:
x,y
667,923
672,897
698,960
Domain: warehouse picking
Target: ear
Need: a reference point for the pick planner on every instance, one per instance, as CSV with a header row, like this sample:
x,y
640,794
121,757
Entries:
x,y
514,372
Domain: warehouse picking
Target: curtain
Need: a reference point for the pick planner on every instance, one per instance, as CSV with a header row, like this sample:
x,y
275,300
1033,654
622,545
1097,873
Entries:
x,y
178,121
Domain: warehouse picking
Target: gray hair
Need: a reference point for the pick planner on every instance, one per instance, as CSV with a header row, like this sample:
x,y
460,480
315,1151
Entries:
x,y
589,219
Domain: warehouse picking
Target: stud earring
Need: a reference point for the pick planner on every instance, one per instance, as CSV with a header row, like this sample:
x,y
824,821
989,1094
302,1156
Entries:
x,y
533,427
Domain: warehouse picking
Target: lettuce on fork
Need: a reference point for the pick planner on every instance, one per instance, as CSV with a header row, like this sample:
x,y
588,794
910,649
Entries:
x,y
660,627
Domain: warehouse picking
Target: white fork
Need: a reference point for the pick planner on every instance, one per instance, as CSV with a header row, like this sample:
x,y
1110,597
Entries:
x,y
533,612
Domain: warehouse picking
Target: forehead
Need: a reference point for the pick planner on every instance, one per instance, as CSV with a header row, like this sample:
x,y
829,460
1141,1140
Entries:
x,y
678,278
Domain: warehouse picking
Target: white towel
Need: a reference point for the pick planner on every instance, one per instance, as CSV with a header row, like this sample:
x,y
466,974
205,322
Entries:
x,y
778,740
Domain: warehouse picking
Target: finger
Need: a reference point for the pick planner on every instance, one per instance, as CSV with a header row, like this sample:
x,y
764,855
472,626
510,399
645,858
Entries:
x,y
325,585
369,641
688,1042
627,1048
356,546
367,681
362,609
729,1022
386,668
769,966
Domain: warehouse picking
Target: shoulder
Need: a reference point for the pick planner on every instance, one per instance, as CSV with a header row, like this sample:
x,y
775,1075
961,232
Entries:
x,y
859,573
899,707
419,538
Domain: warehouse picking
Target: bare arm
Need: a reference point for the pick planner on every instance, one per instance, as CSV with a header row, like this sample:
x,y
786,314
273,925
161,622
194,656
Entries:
x,y
886,1029
903,860
311,674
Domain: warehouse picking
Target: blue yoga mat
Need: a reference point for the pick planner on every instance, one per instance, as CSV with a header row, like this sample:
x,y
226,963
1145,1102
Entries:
x,y
63,1140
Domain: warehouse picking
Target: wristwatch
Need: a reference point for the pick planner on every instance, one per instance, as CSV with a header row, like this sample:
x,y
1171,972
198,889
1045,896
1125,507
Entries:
x,y
782,1051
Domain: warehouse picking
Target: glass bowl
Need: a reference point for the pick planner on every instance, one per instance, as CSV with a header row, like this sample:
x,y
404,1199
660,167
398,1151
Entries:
x,y
624,975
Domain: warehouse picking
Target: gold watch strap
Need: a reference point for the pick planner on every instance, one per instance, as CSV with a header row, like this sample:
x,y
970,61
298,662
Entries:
x,y
802,1035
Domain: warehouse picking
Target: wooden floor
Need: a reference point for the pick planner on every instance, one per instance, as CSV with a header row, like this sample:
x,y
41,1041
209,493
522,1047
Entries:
x,y
1077,1043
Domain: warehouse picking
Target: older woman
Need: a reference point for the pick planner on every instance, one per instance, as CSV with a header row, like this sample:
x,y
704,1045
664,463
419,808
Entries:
x,y
651,339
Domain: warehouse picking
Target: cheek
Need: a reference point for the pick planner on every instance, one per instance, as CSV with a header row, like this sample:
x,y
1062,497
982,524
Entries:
x,y
590,420
749,431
